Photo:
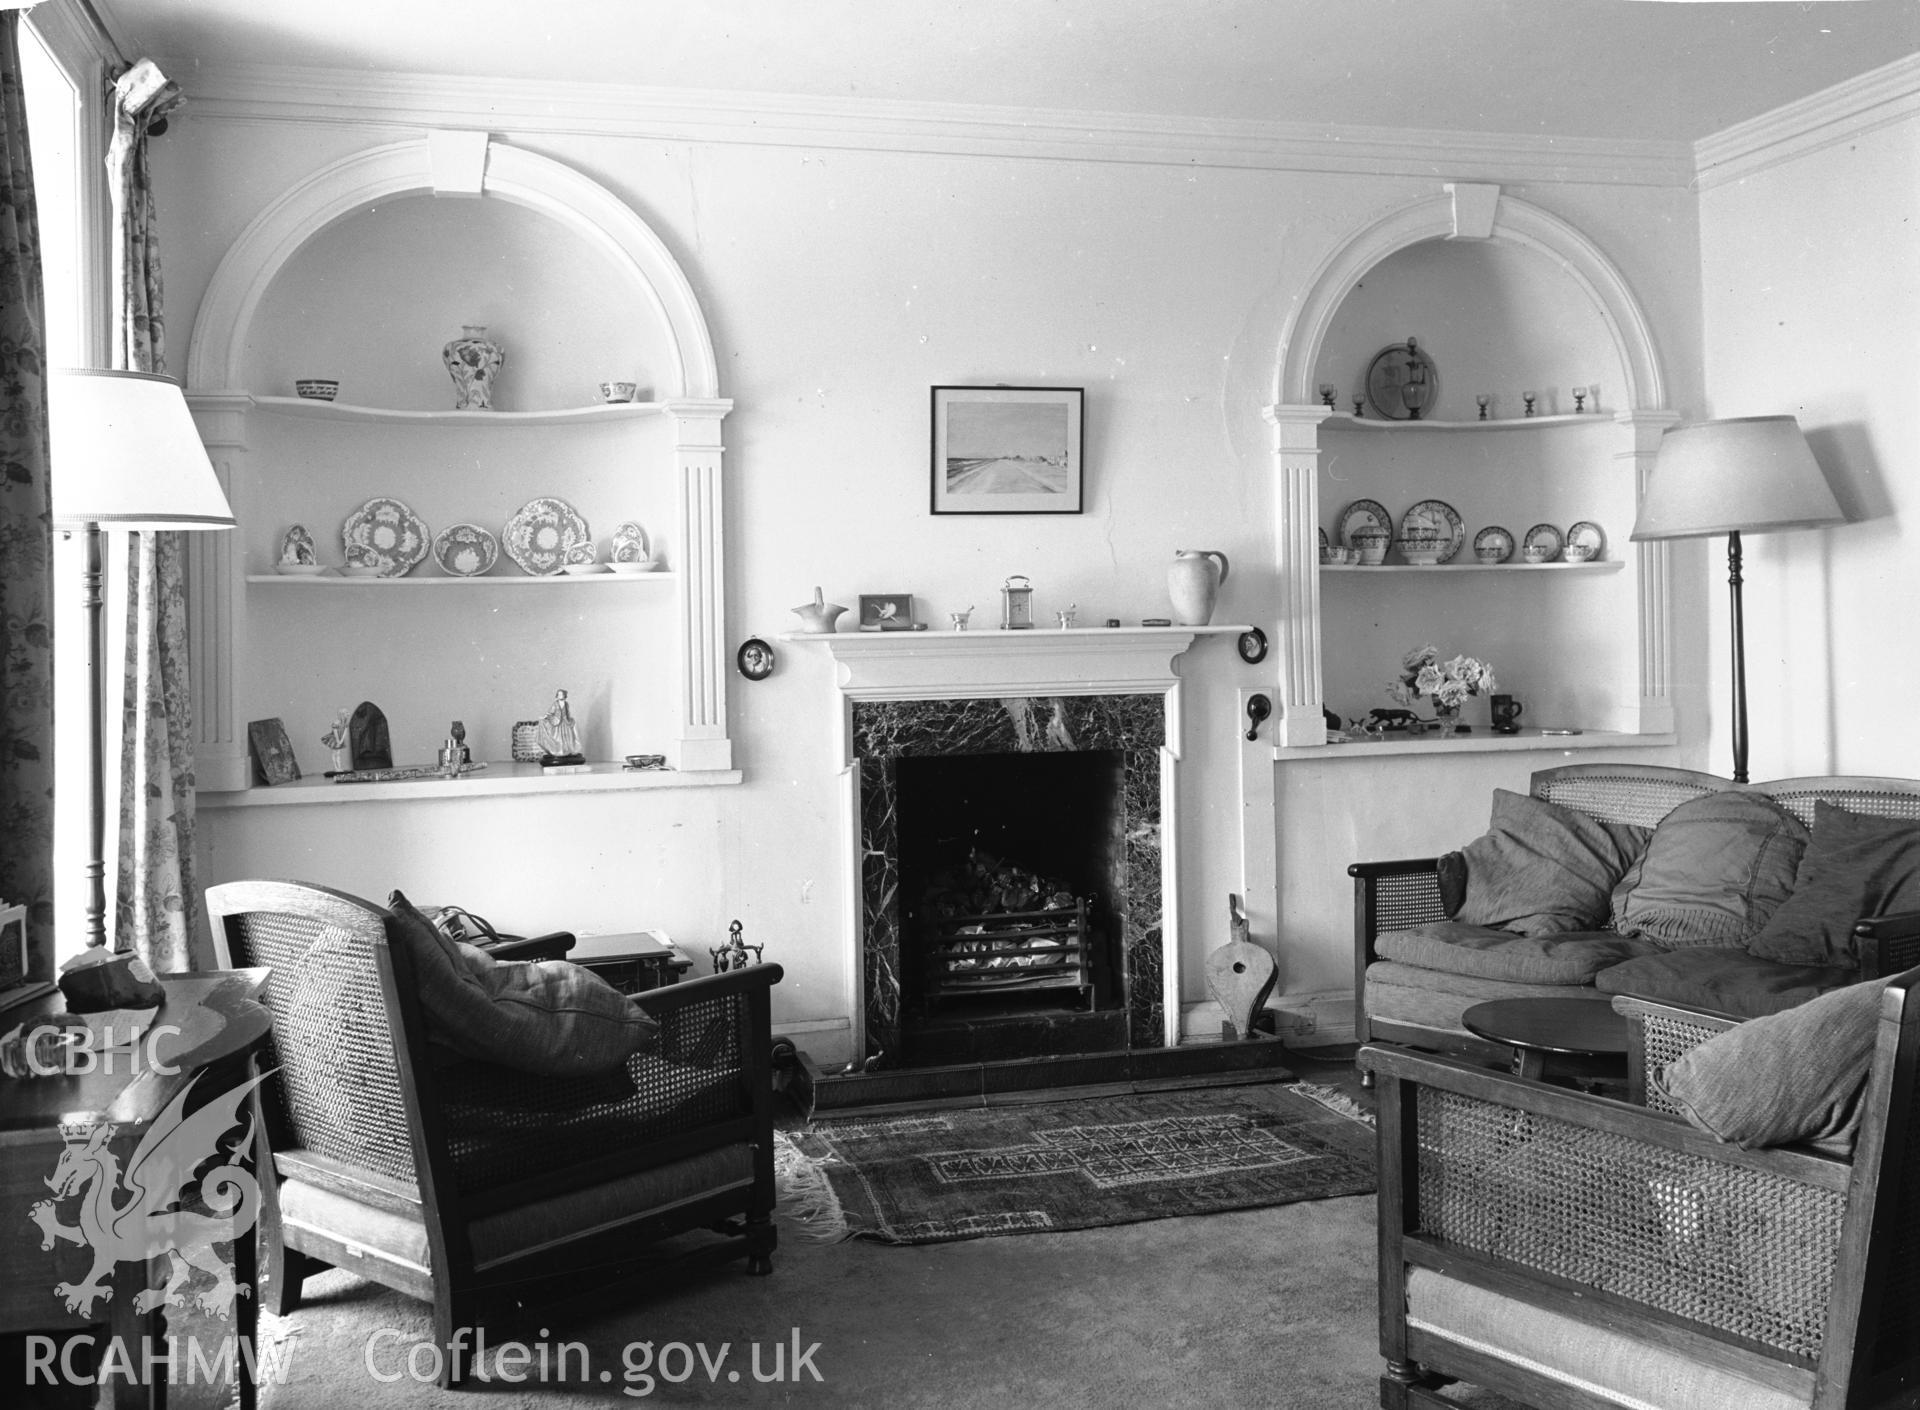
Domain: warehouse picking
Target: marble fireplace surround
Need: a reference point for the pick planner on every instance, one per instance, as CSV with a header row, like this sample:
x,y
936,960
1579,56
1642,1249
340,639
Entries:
x,y
923,694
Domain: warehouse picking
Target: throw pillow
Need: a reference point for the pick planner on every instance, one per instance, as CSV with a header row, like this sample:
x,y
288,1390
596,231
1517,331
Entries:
x,y
1793,1076
1855,866
548,1016
1713,872
1541,869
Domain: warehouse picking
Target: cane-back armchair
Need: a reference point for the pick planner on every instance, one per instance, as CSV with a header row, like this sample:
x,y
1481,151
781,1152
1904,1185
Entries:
x,y
458,1181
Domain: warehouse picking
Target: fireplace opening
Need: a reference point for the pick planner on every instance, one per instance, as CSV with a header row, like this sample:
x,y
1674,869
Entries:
x,y
1012,886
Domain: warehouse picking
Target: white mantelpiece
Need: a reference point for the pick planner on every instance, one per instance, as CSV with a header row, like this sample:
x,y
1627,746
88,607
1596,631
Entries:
x,y
994,664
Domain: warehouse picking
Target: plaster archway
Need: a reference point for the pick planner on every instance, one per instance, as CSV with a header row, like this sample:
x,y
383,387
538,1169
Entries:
x,y
216,352
1514,222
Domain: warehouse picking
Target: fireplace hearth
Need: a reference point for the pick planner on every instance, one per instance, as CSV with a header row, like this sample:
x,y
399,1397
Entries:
x,y
1048,804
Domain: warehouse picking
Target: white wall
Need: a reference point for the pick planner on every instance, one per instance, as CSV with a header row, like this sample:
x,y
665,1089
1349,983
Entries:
x,y
840,285
1811,286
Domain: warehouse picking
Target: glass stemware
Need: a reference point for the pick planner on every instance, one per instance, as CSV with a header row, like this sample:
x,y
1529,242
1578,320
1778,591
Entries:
x,y
1528,398
1481,399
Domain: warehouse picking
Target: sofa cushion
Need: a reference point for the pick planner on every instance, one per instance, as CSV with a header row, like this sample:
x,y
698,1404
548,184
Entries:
x,y
1855,866
1570,957
1792,1076
1725,980
1432,999
1541,869
545,1016
1714,870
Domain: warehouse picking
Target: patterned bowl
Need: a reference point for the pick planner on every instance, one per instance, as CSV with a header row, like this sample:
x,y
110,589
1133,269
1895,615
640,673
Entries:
x,y
317,388
1424,549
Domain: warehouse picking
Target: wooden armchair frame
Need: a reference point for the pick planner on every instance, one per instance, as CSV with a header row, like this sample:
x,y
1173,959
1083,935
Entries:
x,y
1502,1226
425,1173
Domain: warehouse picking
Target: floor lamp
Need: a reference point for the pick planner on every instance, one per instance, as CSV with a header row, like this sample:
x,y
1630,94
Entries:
x,y
125,455
1748,474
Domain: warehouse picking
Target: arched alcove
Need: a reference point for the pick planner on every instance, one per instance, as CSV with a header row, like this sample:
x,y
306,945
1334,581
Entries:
x,y
671,444
1558,467
1590,276
216,356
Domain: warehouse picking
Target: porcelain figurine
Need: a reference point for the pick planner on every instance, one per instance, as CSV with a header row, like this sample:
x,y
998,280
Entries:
x,y
819,615
1193,582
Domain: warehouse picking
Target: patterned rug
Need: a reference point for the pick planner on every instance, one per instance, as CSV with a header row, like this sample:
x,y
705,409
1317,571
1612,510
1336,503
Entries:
x,y
933,1176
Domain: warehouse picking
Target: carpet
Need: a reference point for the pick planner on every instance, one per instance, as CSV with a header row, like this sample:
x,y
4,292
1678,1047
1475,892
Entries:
x,y
937,1176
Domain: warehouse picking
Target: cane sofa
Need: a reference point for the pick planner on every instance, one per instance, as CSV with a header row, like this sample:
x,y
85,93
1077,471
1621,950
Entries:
x,y
1412,990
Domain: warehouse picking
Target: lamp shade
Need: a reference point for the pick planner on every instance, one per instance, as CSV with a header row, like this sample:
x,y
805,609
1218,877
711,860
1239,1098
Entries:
x,y
1745,474
125,452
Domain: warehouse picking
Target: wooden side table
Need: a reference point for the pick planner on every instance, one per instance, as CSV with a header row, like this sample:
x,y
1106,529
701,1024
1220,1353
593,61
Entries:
x,y
633,962
1580,1037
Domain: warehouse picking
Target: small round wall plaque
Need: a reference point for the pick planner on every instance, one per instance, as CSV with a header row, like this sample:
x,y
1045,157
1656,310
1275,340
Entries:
x,y
1253,645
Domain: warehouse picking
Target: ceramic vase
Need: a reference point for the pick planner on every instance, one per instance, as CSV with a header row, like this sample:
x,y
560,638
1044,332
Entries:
x,y
1193,584
474,360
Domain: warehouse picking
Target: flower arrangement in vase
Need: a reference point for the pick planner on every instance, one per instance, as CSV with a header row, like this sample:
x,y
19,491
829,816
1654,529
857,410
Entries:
x,y
1447,684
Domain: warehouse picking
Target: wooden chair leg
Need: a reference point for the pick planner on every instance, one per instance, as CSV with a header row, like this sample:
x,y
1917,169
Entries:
x,y
762,1238
451,1312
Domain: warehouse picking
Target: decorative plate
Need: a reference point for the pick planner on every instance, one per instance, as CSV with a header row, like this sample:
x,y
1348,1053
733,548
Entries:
x,y
386,535
538,536
1435,516
1587,539
1387,375
1494,542
1542,544
1364,514
630,544
465,550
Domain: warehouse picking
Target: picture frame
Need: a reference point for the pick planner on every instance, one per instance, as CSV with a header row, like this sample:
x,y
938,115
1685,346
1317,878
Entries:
x,y
1008,450
273,761
886,612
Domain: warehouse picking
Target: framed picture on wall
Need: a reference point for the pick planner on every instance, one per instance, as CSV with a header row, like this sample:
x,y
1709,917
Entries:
x,y
1007,450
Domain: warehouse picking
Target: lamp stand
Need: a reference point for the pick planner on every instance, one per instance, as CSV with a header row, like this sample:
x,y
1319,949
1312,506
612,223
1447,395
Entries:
x,y
1739,660
93,599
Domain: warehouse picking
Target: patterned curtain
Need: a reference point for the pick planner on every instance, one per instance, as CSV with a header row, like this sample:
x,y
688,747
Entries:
x,y
158,904
26,533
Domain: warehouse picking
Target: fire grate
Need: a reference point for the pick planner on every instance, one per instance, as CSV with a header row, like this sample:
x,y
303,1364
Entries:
x,y
1009,950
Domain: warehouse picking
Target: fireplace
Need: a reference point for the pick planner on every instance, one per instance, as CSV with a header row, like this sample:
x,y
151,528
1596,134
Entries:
x,y
1011,876
1090,716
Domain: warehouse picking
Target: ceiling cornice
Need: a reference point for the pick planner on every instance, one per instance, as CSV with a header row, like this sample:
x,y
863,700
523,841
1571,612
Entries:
x,y
1834,115
256,93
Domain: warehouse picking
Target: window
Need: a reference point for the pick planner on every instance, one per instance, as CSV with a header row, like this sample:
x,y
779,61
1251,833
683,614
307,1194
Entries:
x,y
60,132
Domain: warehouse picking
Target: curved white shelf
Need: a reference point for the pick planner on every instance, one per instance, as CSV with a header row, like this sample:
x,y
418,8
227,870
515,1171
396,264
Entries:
x,y
344,412
496,780
328,580
1607,565
1500,423
1479,742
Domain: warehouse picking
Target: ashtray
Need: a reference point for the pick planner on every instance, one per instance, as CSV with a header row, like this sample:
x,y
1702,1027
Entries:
x,y
645,761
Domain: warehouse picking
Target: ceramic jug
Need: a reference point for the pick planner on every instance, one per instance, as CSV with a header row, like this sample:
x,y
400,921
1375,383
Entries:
x,y
818,616
1193,582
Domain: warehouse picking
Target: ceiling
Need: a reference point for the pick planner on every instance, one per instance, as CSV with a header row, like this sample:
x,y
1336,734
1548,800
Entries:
x,y
1622,69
